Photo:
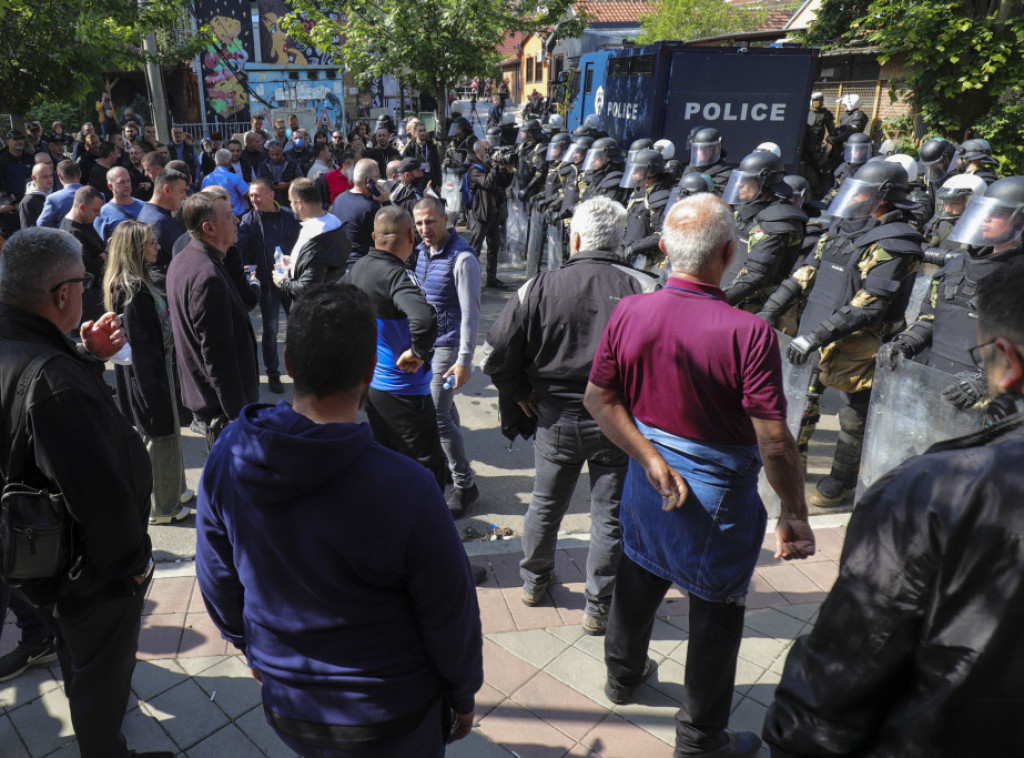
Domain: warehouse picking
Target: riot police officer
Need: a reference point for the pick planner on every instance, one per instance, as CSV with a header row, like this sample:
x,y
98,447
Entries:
x,y
850,123
553,157
708,157
952,199
591,128
936,155
460,146
820,124
571,174
857,282
648,204
856,153
771,230
530,135
602,171
976,158
945,333
644,143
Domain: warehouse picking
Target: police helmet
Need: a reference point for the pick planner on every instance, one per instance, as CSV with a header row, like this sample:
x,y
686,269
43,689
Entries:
x,y
602,152
934,150
859,138
908,163
556,147
857,149
705,134
890,177
801,197
532,127
756,172
705,147
642,166
646,143
555,121
976,150
666,147
874,183
578,149
956,192
693,184
494,135
674,169
770,147
995,220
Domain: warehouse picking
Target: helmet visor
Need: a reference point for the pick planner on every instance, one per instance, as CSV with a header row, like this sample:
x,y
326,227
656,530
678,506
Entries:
x,y
705,153
855,199
595,159
742,187
575,153
673,197
634,175
988,222
555,151
858,152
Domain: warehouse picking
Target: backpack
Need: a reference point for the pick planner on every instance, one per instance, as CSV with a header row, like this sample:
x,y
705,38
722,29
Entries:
x,y
469,194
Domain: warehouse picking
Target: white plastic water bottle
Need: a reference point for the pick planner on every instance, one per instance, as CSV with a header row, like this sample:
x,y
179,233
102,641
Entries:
x,y
279,267
449,383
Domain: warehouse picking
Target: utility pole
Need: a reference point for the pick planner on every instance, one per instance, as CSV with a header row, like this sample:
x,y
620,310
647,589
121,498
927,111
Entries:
x,y
157,96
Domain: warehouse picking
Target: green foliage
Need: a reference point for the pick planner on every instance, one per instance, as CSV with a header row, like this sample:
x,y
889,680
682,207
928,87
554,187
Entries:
x,y
959,59
72,115
428,44
836,23
58,50
901,130
693,19
1003,126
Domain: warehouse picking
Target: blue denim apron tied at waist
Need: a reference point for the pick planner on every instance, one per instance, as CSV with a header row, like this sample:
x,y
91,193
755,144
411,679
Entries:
x,y
710,544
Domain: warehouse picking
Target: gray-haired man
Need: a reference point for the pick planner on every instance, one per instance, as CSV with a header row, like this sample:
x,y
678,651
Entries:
x,y
543,345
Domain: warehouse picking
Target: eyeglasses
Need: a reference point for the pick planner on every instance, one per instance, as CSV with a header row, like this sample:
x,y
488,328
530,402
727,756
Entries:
x,y
86,281
975,353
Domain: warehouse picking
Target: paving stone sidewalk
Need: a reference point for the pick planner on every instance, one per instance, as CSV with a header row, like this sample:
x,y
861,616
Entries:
x,y
543,692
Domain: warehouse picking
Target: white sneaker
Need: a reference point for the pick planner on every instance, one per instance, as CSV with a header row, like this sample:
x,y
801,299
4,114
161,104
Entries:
x,y
181,515
187,496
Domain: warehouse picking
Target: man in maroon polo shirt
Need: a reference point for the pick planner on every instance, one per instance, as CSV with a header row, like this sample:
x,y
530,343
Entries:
x,y
691,389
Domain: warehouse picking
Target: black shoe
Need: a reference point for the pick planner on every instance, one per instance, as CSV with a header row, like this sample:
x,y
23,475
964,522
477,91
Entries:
x,y
620,694
740,745
24,657
460,500
479,574
497,284
829,493
274,382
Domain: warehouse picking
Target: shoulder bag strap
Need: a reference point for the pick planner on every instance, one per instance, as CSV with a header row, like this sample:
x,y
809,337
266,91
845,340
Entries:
x,y
19,436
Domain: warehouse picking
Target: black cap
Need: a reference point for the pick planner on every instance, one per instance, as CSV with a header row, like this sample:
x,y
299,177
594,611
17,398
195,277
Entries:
x,y
15,134
32,126
409,164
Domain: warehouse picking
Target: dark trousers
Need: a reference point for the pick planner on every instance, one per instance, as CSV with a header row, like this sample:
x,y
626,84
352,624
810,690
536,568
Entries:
x,y
270,312
407,424
715,633
96,646
853,416
32,625
488,230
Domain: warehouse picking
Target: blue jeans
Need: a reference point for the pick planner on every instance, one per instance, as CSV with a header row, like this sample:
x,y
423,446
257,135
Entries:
x,y
448,418
270,311
564,442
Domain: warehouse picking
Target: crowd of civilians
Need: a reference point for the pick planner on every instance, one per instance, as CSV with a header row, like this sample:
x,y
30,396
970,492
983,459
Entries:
x,y
673,398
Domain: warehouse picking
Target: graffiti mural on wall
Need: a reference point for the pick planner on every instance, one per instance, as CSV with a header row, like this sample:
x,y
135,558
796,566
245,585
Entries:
x,y
224,60
278,48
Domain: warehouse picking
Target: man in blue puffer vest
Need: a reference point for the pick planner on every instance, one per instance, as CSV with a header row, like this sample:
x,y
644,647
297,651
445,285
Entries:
x,y
449,272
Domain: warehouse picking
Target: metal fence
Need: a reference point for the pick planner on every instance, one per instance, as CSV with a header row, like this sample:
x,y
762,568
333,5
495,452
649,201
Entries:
x,y
201,130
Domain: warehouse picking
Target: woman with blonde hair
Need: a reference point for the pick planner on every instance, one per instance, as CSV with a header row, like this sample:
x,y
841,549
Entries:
x,y
146,385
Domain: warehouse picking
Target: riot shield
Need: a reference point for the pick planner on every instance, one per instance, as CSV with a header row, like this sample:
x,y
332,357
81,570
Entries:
x,y
554,246
535,242
906,416
515,230
922,285
451,193
795,381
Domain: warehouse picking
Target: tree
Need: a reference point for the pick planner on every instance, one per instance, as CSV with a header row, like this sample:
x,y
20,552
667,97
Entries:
x,y
836,23
60,49
428,44
693,19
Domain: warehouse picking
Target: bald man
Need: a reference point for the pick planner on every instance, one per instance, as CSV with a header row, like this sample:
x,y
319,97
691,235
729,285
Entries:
x,y
122,206
35,194
398,404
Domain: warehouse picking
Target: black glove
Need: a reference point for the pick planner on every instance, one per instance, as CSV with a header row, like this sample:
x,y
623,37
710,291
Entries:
x,y
779,301
800,349
522,195
891,354
967,390
938,256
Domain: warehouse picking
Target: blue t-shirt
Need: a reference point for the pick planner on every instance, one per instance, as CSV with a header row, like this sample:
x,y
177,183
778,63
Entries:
x,y
112,214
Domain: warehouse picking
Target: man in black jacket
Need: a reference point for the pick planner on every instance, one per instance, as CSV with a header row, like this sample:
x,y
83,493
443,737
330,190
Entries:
x,y
263,230
543,346
215,344
916,651
80,445
398,404
487,184
79,222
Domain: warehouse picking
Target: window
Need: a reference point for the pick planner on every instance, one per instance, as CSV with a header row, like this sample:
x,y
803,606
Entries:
x,y
588,83
529,69
634,66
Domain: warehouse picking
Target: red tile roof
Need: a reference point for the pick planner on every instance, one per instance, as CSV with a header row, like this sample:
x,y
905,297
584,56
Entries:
x,y
614,11
509,47
776,19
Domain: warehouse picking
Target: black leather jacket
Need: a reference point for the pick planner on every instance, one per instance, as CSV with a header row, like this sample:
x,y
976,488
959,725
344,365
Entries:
x,y
917,650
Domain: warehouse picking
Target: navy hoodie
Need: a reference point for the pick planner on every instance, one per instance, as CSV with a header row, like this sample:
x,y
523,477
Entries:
x,y
335,565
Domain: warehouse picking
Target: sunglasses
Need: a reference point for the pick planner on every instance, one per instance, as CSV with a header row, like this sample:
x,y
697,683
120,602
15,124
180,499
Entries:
x,y
86,281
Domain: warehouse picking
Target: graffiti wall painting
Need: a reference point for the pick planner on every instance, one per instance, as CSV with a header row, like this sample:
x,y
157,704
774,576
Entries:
x,y
323,97
280,49
224,60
